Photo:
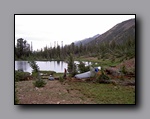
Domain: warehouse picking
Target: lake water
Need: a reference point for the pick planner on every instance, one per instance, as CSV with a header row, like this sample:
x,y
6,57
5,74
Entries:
x,y
57,66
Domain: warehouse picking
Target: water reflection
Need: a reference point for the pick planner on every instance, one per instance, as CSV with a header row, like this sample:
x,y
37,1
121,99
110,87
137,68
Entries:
x,y
61,65
57,66
58,62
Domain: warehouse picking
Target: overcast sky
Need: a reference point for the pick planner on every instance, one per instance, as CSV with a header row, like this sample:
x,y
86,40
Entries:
x,y
43,30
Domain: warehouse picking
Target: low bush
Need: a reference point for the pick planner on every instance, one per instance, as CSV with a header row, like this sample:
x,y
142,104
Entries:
x,y
83,68
123,69
34,74
61,79
39,83
103,78
21,76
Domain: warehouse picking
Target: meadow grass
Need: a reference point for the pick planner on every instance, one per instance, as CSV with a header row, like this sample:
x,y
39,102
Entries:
x,y
106,93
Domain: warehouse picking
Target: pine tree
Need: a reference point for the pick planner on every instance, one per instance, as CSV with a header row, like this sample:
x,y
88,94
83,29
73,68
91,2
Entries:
x,y
39,82
71,65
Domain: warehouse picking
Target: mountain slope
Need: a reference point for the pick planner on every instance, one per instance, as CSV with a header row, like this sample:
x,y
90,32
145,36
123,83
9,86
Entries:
x,y
119,33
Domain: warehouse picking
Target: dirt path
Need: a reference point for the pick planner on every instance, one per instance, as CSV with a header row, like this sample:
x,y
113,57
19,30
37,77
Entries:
x,y
54,92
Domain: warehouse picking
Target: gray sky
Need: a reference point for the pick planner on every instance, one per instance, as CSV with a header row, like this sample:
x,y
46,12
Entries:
x,y
43,30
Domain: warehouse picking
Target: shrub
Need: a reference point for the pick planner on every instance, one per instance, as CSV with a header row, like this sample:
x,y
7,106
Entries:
x,y
103,78
39,83
34,74
21,76
123,69
61,79
83,68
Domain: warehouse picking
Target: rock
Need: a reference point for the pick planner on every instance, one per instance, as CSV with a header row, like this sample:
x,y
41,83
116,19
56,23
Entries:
x,y
115,87
58,102
83,79
59,93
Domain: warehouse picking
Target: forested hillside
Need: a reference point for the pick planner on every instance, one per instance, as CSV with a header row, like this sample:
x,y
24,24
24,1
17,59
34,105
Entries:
x,y
120,33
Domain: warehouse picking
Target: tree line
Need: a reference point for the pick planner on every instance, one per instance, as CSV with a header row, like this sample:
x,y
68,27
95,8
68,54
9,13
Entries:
x,y
104,50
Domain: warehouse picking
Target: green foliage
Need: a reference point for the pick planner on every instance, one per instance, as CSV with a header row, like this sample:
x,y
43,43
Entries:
x,y
105,50
126,50
39,83
103,78
106,94
36,73
21,76
123,70
58,74
34,66
22,49
72,69
61,79
47,72
70,63
83,68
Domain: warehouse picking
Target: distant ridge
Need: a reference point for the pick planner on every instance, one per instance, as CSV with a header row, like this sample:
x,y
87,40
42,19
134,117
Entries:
x,y
119,33
86,40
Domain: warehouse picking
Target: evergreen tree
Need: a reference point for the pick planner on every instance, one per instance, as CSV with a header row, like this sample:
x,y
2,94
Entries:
x,y
58,52
39,82
72,69
22,48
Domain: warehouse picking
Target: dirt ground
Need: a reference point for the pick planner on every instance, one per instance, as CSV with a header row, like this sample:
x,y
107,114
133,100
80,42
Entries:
x,y
54,92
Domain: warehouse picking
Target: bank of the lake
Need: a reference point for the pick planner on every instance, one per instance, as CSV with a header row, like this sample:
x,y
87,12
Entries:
x,y
100,62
